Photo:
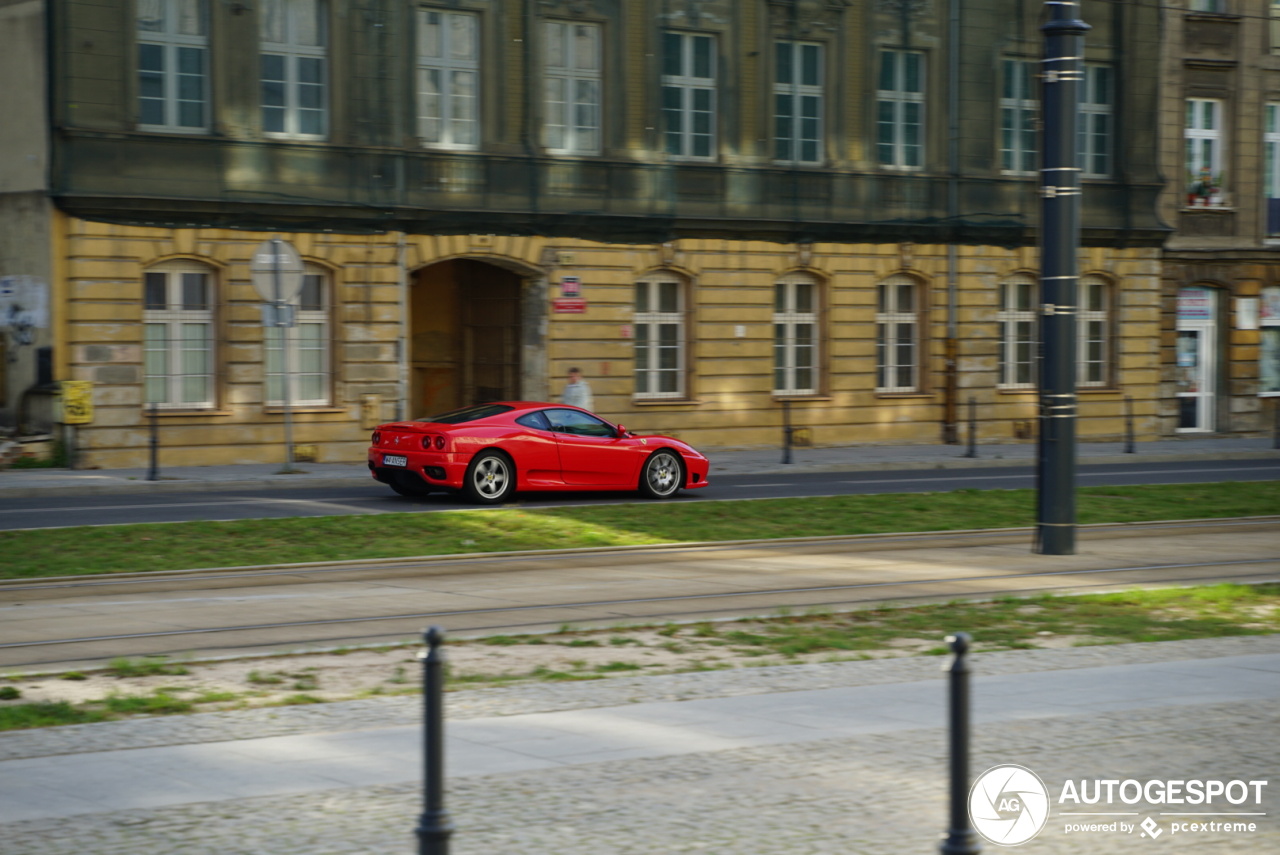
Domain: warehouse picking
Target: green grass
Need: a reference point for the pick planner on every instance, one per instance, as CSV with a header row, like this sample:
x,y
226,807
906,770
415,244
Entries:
x,y
189,545
148,667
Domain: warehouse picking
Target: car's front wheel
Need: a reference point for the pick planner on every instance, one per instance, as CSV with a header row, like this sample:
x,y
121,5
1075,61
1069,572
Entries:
x,y
662,476
490,479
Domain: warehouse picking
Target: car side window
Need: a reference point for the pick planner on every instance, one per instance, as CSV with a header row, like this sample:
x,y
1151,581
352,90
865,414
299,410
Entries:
x,y
536,421
579,423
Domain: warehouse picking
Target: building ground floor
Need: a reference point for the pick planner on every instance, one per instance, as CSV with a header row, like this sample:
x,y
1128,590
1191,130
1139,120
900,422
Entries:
x,y
719,342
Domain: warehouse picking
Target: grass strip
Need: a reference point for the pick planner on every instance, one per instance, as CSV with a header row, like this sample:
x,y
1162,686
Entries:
x,y
190,545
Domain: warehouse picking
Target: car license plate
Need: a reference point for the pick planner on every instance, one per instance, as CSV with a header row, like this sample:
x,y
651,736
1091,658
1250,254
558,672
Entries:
x,y
394,460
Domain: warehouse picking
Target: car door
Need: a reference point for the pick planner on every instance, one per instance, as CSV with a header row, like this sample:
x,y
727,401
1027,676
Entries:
x,y
537,452
591,452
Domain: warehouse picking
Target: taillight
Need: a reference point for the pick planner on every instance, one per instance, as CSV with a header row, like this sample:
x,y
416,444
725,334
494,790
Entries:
x,y
439,443
377,438
426,443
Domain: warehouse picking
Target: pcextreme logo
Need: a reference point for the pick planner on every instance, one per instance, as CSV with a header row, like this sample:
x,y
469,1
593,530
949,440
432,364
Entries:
x,y
1010,804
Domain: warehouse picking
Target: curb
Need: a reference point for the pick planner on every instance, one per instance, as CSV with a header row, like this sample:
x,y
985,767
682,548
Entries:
x,y
326,481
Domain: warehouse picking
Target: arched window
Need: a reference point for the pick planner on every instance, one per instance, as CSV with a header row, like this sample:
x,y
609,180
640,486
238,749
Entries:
x,y
309,357
178,322
795,335
1018,333
1093,329
660,348
898,334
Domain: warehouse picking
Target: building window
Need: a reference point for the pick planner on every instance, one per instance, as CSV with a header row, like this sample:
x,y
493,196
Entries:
x,y
294,76
572,83
1019,107
660,338
1208,6
689,94
1204,141
898,335
1093,333
1269,342
1018,333
178,335
795,336
900,109
797,102
448,79
1095,122
1275,27
1271,167
173,73
308,363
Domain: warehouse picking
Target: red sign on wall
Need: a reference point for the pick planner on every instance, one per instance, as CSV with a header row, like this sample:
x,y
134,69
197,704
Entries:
x,y
569,306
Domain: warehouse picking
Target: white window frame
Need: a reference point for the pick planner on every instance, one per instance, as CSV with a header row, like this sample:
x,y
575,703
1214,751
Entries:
x,y
793,354
893,313
1097,122
1019,333
574,88
1271,167
655,316
179,349
1204,150
1093,333
310,356
900,110
1274,27
691,119
289,18
1019,115
180,32
1269,342
448,79
793,127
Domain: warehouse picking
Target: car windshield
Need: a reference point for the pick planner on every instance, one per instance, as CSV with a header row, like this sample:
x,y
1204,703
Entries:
x,y
467,414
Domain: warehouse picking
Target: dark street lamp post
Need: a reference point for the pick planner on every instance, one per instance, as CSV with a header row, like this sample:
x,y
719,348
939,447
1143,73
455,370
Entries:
x,y
1059,239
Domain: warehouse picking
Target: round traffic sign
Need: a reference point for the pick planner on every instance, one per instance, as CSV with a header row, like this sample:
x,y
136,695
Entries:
x,y
276,271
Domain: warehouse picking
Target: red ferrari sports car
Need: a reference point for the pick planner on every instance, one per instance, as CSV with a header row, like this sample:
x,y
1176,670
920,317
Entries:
x,y
490,451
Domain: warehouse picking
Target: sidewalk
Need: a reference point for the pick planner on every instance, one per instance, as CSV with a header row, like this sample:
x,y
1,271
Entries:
x,y
855,764
15,483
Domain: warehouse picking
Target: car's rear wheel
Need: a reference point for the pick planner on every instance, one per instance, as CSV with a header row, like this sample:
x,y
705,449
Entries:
x,y
408,486
662,475
490,479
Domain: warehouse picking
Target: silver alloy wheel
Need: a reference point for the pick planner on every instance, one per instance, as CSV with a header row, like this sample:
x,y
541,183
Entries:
x,y
490,477
662,474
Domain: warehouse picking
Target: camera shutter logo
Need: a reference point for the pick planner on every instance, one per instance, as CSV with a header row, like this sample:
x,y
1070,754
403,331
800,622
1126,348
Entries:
x,y
1008,805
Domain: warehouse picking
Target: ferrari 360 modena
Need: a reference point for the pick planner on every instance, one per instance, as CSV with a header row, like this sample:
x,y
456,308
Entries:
x,y
491,451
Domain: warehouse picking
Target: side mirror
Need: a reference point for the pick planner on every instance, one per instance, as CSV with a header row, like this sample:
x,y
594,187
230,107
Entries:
x,y
622,432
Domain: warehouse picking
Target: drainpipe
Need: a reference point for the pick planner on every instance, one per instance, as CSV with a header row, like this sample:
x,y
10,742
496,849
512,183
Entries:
x,y
402,342
951,387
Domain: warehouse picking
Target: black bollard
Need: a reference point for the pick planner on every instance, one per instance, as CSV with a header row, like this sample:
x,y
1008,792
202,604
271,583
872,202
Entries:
x,y
1128,425
973,428
786,431
434,827
960,838
153,474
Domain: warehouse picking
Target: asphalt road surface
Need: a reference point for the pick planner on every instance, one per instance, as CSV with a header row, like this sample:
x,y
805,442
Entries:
x,y
56,511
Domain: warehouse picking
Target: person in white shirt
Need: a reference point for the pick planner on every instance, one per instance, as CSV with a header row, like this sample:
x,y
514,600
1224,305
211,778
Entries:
x,y
576,392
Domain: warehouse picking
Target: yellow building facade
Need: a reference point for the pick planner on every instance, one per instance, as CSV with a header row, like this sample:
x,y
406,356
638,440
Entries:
x,y
706,339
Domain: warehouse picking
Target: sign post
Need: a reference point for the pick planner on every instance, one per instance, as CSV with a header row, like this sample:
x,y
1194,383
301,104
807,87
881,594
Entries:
x,y
277,276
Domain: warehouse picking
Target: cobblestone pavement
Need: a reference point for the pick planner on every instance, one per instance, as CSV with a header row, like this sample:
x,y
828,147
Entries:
x,y
881,793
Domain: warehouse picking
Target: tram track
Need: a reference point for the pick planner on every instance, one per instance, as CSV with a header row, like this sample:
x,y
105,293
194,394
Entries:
x,y
238,611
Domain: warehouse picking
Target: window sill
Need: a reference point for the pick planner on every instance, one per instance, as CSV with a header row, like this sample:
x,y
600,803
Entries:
x,y
1016,390
813,397
1097,390
277,409
176,411
665,402
904,394
1200,208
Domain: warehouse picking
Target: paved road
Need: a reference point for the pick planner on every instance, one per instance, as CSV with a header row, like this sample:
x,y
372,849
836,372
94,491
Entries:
x,y
63,624
791,760
56,510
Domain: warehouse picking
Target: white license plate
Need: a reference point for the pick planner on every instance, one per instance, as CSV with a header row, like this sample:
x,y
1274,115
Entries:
x,y
394,460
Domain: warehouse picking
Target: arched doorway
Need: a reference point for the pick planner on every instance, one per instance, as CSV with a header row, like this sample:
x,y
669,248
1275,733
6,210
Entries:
x,y
465,336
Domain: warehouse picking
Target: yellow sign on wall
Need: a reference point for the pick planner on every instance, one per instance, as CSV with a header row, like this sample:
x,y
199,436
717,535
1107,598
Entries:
x,y
77,402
